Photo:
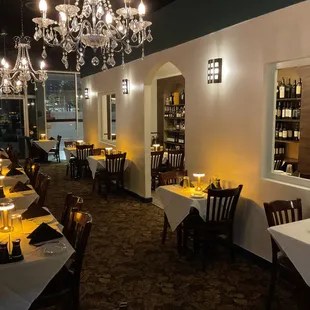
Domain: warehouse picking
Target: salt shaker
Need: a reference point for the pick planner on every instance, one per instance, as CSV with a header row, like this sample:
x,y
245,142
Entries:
x,y
16,251
4,253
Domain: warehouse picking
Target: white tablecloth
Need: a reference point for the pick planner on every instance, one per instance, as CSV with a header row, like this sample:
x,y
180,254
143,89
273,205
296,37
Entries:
x,y
22,200
12,180
45,145
22,282
98,161
177,202
294,240
68,152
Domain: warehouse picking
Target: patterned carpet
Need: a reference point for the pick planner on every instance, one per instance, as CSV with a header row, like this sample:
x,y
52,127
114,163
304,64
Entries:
x,y
125,261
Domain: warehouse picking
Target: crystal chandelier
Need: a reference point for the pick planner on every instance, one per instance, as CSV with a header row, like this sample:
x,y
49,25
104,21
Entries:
x,y
94,25
14,80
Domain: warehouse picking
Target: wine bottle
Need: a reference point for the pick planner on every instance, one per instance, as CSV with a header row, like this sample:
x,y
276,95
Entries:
x,y
182,97
289,111
289,133
299,89
293,92
284,132
283,110
288,89
171,99
296,132
282,89
277,132
278,91
280,133
279,111
298,111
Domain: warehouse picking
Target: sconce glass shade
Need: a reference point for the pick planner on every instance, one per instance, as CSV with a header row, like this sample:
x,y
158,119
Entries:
x,y
198,176
125,86
86,93
5,206
215,70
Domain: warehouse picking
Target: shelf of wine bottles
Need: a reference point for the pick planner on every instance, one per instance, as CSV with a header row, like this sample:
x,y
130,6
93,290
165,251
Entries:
x,y
174,115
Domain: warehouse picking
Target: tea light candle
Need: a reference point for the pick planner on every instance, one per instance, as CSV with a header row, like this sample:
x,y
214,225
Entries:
x,y
156,147
80,142
42,136
198,176
108,150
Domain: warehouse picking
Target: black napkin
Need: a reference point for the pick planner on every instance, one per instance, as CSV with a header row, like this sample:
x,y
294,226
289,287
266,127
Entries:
x,y
13,172
190,185
19,187
43,233
51,138
34,211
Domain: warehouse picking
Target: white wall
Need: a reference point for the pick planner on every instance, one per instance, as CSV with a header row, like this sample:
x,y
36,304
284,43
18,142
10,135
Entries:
x,y
226,124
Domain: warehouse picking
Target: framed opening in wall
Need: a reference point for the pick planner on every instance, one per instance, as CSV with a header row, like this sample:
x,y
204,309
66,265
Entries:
x,y
107,118
290,151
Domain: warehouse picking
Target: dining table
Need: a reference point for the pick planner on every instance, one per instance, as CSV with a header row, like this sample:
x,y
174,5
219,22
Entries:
x,y
45,145
294,240
178,201
69,151
99,161
22,199
13,179
22,282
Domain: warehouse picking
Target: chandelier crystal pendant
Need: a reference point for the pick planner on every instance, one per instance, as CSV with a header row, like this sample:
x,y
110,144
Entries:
x,y
93,25
13,81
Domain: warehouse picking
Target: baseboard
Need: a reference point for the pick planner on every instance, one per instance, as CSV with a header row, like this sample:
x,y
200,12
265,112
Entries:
x,y
138,197
255,259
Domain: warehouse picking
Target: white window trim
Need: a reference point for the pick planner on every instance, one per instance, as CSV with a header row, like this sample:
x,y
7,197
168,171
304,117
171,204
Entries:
x,y
100,119
268,146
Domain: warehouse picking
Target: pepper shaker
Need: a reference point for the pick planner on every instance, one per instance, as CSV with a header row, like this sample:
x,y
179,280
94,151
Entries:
x,y
16,251
4,253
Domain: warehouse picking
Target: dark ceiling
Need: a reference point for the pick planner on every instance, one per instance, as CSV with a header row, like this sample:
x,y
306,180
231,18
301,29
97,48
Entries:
x,y
10,20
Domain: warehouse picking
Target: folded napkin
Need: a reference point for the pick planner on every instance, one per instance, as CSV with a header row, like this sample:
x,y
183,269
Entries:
x,y
34,211
43,233
10,166
13,172
51,138
19,187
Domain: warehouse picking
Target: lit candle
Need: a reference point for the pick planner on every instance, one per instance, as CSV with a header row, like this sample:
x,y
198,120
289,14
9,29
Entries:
x,y
156,147
4,208
108,150
1,180
80,142
42,136
198,176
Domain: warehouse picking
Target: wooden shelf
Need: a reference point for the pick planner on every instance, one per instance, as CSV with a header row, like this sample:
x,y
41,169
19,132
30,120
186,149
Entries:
x,y
173,118
286,141
283,120
289,99
174,105
174,143
291,160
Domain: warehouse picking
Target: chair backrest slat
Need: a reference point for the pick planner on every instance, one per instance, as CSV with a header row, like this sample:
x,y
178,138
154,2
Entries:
x,y
83,151
176,160
115,163
156,160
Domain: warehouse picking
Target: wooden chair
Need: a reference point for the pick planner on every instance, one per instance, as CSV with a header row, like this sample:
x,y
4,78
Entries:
x,y
41,186
113,171
156,164
72,204
281,212
55,150
220,211
169,178
32,170
63,289
175,160
70,164
80,163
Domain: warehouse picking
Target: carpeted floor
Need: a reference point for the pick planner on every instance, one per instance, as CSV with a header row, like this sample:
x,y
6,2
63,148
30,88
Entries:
x,y
125,261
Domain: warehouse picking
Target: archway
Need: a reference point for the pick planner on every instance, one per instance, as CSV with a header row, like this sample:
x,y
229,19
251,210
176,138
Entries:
x,y
164,115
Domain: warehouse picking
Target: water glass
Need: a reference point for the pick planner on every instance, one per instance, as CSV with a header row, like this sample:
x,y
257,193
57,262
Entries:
x,y
289,169
16,223
186,183
102,152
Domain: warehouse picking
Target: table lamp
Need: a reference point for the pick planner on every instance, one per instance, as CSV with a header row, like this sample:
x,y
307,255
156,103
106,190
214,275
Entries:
x,y
156,147
198,176
42,136
80,142
5,206
108,150
0,166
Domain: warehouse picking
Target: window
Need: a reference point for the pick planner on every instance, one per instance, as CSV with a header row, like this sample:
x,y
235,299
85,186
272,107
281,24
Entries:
x,y
107,118
290,132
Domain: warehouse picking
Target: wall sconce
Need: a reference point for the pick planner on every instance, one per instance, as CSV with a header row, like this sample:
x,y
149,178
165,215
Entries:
x,y
86,94
215,70
125,86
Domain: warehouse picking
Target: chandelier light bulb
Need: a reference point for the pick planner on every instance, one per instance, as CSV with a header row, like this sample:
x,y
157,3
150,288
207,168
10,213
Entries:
x,y
108,18
6,65
3,61
42,65
141,8
18,83
24,61
62,17
43,5
5,82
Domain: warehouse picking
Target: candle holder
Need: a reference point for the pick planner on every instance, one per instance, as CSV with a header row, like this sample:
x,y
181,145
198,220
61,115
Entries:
x,y
156,147
198,176
5,206
108,150
42,136
80,142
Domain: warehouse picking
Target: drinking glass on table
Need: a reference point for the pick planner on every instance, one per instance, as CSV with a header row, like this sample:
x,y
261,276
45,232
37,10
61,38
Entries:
x,y
16,223
289,169
186,183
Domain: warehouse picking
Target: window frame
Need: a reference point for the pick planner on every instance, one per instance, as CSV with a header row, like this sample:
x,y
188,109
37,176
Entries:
x,y
104,118
271,74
